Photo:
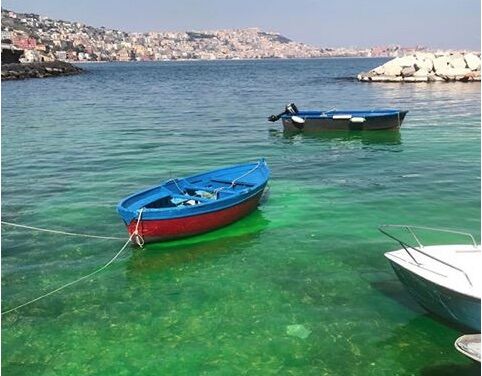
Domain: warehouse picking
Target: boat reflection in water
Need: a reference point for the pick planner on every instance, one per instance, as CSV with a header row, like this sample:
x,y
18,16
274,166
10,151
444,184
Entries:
x,y
386,137
233,238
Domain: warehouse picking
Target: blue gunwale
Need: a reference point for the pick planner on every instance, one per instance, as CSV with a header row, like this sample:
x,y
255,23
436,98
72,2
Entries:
x,y
311,114
245,188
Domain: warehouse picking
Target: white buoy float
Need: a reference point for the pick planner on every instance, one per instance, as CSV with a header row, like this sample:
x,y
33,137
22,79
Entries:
x,y
358,120
298,120
342,117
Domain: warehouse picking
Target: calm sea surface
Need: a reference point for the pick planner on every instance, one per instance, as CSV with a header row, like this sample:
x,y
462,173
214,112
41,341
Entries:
x,y
299,287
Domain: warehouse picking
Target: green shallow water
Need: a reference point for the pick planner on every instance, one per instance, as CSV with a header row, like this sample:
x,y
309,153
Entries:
x,y
299,287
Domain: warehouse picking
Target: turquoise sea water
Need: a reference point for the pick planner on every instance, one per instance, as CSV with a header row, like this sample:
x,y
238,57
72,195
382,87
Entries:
x,y
300,287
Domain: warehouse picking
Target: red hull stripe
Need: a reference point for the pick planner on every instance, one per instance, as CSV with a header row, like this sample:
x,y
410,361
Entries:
x,y
164,229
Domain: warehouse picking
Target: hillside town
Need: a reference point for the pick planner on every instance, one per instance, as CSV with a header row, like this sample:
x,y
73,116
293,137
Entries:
x,y
43,39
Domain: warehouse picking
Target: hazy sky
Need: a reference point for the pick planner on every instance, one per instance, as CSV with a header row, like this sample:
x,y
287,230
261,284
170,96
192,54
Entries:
x,y
330,23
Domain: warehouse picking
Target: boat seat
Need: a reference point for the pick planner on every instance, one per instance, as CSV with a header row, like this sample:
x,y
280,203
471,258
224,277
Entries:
x,y
235,183
193,187
165,201
188,197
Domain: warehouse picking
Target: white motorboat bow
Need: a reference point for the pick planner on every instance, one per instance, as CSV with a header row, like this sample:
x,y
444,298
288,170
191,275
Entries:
x,y
444,279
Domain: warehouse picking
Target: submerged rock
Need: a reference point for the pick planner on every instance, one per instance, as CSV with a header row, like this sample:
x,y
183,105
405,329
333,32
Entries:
x,y
427,67
298,330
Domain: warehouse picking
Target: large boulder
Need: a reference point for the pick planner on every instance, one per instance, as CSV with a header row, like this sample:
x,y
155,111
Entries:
x,y
408,71
441,63
407,61
473,61
457,62
369,74
392,68
450,73
433,77
426,64
422,72
379,70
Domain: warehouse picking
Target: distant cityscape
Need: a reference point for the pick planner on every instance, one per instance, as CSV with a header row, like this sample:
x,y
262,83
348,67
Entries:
x,y
45,39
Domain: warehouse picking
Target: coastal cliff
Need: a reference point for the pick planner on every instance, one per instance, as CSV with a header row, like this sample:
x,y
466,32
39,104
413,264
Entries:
x,y
427,67
19,71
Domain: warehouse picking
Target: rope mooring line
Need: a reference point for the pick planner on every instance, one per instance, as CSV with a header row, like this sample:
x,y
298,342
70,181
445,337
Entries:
x,y
233,182
73,282
60,232
139,241
246,174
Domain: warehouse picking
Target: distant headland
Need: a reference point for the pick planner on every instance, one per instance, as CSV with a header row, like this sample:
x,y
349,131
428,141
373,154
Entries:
x,y
45,39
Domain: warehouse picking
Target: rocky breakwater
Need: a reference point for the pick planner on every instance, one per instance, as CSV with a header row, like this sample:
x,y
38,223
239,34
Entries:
x,y
427,67
38,70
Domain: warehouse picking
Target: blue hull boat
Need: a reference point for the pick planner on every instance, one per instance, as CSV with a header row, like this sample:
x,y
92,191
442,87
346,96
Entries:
x,y
313,121
188,206
444,279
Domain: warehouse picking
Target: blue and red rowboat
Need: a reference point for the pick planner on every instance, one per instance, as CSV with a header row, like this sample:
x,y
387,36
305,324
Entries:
x,y
188,206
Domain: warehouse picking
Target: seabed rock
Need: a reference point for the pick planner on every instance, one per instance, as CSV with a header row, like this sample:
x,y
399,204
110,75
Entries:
x,y
298,330
427,67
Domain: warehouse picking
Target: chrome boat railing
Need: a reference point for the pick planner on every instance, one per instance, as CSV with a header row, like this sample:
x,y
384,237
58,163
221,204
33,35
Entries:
x,y
411,229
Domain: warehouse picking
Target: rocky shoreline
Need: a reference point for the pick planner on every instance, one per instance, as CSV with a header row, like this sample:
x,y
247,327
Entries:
x,y
19,71
427,67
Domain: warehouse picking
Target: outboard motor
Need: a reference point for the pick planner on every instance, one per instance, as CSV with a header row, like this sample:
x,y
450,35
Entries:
x,y
289,109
